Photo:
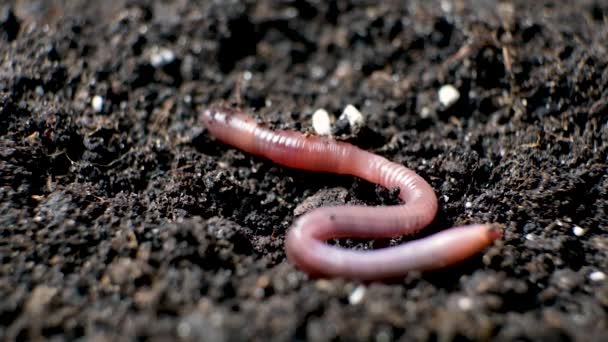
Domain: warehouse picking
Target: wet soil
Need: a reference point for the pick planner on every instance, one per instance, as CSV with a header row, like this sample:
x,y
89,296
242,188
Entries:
x,y
121,218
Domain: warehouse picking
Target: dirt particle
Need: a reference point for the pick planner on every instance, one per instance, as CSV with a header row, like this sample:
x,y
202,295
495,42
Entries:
x,y
40,298
9,24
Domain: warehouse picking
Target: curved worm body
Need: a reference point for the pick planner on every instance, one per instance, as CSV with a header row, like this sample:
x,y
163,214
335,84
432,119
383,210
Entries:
x,y
305,241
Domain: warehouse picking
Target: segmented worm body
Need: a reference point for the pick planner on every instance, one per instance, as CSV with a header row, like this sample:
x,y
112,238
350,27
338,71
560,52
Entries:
x,y
305,241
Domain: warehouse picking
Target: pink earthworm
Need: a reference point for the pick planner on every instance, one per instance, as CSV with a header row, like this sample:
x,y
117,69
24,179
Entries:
x,y
305,241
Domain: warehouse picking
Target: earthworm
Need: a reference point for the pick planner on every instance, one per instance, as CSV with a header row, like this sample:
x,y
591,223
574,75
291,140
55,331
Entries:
x,y
305,242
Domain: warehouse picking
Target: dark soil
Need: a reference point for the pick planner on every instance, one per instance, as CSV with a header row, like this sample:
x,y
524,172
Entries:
x,y
129,221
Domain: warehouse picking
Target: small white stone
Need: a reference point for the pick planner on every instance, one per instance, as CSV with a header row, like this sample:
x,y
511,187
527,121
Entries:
x,y
247,75
530,237
217,319
468,205
448,95
357,295
292,279
578,231
168,55
383,336
258,292
317,72
597,276
425,113
183,330
97,103
465,303
321,122
156,60
39,91
161,57
354,117
446,6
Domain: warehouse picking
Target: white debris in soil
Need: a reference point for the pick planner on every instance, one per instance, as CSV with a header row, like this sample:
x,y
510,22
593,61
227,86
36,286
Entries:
x,y
425,113
448,95
183,330
317,72
97,103
247,75
383,335
530,237
468,205
354,117
357,295
578,231
597,276
446,6
321,122
161,57
465,303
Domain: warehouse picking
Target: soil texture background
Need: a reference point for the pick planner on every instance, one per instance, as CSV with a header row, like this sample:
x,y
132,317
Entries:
x,y
122,218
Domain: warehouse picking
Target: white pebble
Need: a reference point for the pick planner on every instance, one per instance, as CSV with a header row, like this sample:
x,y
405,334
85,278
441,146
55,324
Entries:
x,y
448,95
425,113
247,75
156,60
162,57
578,231
168,55
530,237
321,122
317,72
465,303
354,117
468,205
183,330
357,295
97,103
597,276
383,335
446,6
